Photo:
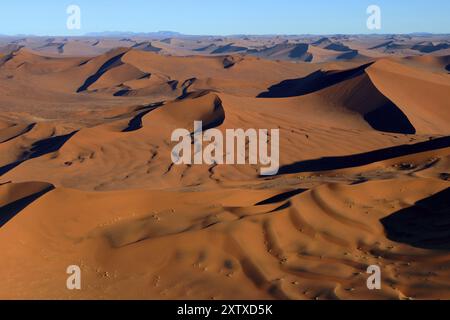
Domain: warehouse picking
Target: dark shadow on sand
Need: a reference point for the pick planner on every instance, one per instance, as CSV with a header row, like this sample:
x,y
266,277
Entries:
x,y
335,163
121,93
348,55
301,51
389,118
105,67
11,210
38,149
425,225
136,122
281,197
27,129
315,81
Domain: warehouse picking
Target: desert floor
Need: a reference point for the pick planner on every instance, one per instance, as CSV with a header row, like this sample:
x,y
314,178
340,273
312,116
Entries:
x,y
86,176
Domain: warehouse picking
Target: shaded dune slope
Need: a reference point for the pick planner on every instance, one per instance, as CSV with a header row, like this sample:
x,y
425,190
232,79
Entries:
x,y
355,91
288,248
364,178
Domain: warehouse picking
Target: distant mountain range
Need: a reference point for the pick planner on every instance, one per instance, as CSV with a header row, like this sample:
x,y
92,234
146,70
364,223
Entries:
x,y
115,34
173,34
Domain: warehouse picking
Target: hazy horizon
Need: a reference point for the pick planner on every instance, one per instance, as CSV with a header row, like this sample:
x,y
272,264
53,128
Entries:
x,y
266,17
108,33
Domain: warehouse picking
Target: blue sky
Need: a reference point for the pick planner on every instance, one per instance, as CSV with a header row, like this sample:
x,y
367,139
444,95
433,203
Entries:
x,y
213,17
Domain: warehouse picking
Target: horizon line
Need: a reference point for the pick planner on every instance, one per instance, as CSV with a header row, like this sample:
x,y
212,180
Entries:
x,y
112,34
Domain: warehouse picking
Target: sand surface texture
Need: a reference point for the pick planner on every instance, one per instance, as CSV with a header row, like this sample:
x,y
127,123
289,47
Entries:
x,y
87,179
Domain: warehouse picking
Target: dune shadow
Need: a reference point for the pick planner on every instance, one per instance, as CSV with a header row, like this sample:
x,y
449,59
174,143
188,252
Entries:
x,y
38,149
229,48
431,47
10,210
281,197
122,92
338,47
146,46
49,145
447,67
204,48
300,51
314,82
9,167
26,130
218,120
425,225
214,123
348,55
105,67
136,122
335,163
186,85
389,118
382,45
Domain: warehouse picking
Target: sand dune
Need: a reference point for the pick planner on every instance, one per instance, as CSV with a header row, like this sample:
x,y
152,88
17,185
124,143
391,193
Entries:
x,y
147,46
86,175
325,48
423,89
291,249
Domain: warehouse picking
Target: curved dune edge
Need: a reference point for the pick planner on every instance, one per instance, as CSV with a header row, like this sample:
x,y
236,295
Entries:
x,y
364,176
143,244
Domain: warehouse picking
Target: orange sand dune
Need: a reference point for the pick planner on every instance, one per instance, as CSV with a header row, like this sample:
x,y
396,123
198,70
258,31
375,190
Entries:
x,y
87,179
223,245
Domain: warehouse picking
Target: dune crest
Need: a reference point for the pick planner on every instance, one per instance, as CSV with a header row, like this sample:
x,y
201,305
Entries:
x,y
87,176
